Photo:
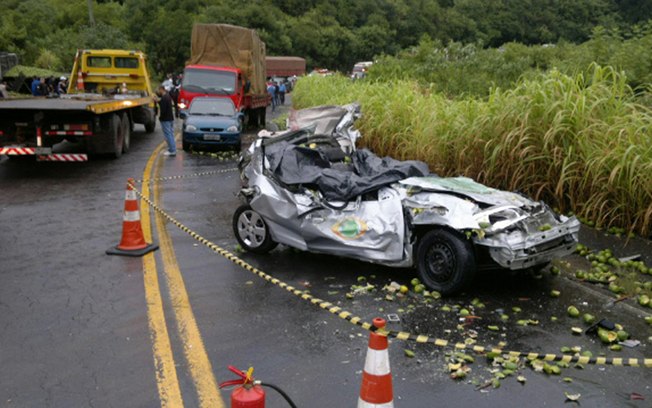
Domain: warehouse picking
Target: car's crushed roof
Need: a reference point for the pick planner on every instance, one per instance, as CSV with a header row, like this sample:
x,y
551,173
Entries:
x,y
362,173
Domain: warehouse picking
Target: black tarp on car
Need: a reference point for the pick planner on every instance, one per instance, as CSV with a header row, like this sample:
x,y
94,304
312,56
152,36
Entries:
x,y
365,172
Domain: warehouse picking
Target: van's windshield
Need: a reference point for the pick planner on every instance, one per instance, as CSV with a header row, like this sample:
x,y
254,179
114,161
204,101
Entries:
x,y
209,81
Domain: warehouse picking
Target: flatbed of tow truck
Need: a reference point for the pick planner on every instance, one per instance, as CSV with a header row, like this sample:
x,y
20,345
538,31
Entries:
x,y
110,91
82,102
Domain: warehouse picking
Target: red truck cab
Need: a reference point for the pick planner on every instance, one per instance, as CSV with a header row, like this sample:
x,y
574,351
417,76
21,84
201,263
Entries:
x,y
222,82
208,80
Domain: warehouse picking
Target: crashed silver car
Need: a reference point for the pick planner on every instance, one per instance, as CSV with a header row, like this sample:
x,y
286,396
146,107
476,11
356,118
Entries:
x,y
310,188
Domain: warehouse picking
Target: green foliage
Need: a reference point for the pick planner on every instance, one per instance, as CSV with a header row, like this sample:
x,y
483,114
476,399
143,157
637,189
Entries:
x,y
48,60
580,143
329,33
458,69
25,71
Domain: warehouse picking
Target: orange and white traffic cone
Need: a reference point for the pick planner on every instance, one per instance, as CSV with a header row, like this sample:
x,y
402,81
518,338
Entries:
x,y
376,390
132,242
80,80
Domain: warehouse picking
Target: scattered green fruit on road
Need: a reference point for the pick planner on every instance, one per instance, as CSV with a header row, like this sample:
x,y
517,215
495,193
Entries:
x,y
572,311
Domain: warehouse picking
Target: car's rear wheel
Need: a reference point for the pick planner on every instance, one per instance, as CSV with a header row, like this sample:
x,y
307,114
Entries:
x,y
445,261
251,231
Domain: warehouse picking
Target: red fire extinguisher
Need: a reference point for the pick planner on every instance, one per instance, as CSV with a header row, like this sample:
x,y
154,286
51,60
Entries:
x,y
250,393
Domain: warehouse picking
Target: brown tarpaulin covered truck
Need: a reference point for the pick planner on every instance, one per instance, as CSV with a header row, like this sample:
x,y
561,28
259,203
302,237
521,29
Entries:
x,y
230,46
227,62
285,66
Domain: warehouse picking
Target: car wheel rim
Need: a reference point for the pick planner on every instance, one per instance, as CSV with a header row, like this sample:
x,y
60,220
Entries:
x,y
440,263
251,229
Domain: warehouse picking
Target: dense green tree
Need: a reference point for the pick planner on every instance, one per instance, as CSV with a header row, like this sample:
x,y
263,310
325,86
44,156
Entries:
x,y
328,33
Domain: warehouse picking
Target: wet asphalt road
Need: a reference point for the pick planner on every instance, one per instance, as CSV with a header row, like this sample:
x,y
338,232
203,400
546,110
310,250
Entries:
x,y
74,325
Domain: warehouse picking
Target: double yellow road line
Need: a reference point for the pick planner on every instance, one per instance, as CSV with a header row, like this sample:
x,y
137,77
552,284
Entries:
x,y
195,355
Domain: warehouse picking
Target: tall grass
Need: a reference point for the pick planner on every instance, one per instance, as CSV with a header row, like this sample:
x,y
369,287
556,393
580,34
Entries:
x,y
581,143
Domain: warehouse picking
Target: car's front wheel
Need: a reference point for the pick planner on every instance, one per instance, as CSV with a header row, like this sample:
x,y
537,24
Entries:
x,y
251,231
445,261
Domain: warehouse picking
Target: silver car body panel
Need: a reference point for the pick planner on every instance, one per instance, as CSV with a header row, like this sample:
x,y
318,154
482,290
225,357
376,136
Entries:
x,y
372,230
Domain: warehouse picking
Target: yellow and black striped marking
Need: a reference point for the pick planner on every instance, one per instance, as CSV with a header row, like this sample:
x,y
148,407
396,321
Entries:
x,y
184,176
405,336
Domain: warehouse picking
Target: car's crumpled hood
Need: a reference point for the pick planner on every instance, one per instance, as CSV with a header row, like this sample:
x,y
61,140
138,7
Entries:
x,y
464,186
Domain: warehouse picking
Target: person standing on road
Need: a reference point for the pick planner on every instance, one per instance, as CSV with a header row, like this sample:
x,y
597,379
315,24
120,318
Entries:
x,y
271,89
277,94
281,92
166,117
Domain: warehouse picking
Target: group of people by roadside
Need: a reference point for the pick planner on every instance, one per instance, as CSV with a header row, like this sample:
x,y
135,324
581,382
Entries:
x,y
277,92
42,86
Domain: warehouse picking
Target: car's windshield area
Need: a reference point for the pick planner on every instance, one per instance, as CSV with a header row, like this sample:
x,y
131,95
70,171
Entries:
x,y
212,106
208,81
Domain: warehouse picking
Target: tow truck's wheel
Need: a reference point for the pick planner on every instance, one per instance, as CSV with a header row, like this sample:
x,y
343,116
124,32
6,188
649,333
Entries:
x,y
126,133
445,261
117,135
150,123
150,126
251,231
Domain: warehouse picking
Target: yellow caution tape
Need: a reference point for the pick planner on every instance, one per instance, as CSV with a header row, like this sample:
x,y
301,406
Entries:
x,y
405,336
183,176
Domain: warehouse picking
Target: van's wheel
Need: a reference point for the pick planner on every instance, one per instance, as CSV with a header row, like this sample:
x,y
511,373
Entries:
x,y
126,133
117,135
251,231
445,261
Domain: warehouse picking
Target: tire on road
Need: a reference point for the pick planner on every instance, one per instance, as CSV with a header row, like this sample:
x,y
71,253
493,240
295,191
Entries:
x,y
126,132
150,121
445,261
116,135
251,231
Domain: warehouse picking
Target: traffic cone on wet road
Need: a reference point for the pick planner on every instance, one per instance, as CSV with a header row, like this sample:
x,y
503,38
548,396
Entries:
x,y
132,242
376,390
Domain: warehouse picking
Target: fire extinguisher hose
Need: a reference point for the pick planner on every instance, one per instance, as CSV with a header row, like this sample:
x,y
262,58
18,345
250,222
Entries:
x,y
280,391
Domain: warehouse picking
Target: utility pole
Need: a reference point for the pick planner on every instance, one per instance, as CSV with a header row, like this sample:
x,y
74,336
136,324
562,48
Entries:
x,y
91,19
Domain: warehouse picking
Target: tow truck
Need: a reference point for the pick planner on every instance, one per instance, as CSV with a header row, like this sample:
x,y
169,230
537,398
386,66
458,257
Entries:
x,y
108,93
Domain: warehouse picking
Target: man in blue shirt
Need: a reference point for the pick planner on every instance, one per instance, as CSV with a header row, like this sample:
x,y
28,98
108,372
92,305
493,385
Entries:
x,y
281,92
35,85
271,90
